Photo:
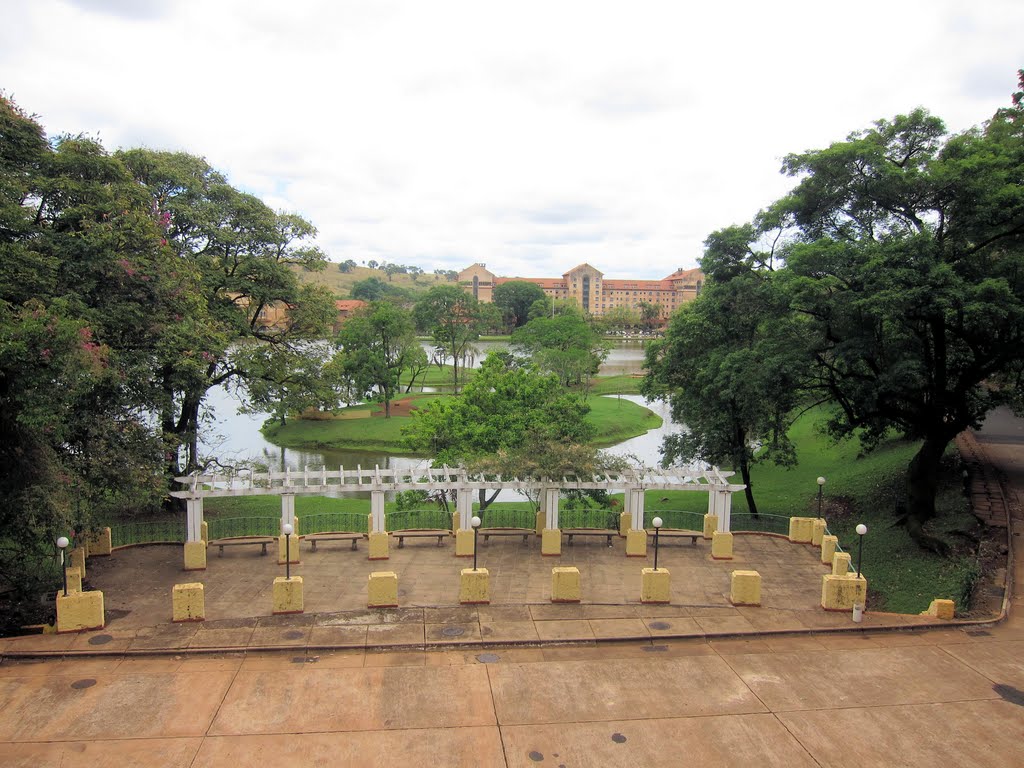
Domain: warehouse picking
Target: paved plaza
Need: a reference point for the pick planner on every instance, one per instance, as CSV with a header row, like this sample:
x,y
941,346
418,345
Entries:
x,y
520,682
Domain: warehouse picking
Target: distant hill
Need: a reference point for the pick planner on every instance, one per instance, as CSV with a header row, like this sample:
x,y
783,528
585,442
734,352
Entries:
x,y
340,283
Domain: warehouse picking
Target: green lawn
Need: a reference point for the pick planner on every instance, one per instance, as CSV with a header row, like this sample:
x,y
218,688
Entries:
x,y
863,488
614,421
615,385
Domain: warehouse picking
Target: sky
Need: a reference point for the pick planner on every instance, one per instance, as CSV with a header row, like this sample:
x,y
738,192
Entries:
x,y
529,136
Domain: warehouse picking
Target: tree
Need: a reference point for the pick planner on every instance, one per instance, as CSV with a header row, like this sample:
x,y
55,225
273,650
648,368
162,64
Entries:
x,y
515,298
909,273
242,255
346,266
650,314
379,345
370,289
510,414
85,304
452,317
731,364
565,344
617,320
283,379
552,307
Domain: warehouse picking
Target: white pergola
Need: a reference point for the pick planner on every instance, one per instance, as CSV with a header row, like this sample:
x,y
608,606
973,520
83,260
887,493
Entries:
x,y
377,482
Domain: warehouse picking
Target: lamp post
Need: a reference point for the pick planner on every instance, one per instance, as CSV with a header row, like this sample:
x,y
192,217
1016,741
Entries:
x,y
861,530
475,522
821,486
288,530
657,528
63,542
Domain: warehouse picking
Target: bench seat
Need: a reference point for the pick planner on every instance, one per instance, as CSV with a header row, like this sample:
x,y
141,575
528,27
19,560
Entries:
x,y
677,533
315,538
524,532
607,533
241,541
420,534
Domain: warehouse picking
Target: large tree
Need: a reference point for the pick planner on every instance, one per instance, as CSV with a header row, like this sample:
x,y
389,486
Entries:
x,y
243,255
731,363
909,272
566,345
509,417
514,298
378,344
453,318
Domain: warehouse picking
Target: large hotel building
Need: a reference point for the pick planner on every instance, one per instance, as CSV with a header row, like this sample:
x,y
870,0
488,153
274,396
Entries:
x,y
595,295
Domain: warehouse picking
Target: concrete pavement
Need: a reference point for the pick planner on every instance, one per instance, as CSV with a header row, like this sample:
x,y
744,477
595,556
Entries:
x,y
950,696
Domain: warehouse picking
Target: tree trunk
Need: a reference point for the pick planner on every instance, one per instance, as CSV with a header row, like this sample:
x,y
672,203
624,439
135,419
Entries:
x,y
749,490
922,485
486,502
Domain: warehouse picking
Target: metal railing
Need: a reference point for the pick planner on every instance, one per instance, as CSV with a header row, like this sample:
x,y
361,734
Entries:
x,y
744,521
230,527
148,532
497,517
675,518
433,518
589,518
323,522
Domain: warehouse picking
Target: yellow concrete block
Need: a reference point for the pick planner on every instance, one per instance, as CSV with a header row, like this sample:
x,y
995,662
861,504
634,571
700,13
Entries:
x,y
464,543
828,548
98,543
841,564
288,595
655,586
382,590
195,555
76,559
636,543
293,548
565,584
745,588
941,609
721,545
378,546
710,525
204,531
551,542
625,521
188,602
801,529
79,611
74,580
818,531
475,586
839,593
540,520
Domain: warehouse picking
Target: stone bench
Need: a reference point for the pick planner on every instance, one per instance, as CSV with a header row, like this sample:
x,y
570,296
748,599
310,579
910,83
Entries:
x,y
243,541
420,534
524,532
608,534
676,533
316,538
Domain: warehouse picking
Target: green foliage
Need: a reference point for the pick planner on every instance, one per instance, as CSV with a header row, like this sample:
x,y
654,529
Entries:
x,y
454,319
378,345
514,299
565,345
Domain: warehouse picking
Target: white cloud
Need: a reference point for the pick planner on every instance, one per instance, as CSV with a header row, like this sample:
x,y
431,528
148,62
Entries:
x,y
528,135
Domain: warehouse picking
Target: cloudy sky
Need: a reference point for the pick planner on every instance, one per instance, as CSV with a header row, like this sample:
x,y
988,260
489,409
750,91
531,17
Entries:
x,y
528,135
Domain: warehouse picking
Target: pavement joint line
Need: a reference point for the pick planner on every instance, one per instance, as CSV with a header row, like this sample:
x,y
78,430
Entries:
x,y
475,644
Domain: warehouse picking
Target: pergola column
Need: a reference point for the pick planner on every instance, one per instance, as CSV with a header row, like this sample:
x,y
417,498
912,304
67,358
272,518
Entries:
x,y
195,547
288,510
464,535
551,536
636,536
724,506
378,537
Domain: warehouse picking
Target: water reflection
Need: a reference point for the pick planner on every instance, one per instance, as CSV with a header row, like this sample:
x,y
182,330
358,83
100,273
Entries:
x,y
235,437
